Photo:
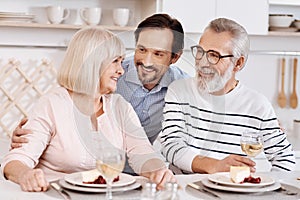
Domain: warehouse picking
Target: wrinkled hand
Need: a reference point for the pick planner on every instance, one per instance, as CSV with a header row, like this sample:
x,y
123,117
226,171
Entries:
x,y
33,180
17,140
161,177
234,160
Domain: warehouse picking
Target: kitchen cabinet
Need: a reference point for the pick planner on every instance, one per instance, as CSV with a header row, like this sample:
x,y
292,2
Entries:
x,y
138,9
252,14
291,7
195,14
285,7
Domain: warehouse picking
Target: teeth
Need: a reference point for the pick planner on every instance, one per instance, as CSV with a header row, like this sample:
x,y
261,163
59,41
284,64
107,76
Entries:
x,y
148,69
206,71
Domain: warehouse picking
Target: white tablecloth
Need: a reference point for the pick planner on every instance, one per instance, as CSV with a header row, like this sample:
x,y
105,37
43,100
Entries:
x,y
12,191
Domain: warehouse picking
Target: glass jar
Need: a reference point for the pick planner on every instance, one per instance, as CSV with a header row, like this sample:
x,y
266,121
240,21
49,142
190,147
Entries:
x,y
169,192
149,191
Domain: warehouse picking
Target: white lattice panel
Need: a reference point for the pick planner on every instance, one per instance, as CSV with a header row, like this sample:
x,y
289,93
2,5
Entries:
x,y
20,86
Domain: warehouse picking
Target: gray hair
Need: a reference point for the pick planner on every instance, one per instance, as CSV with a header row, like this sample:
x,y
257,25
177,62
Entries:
x,y
240,39
89,51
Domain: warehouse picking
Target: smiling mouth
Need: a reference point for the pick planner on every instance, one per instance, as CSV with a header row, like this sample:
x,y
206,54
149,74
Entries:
x,y
115,78
206,72
146,68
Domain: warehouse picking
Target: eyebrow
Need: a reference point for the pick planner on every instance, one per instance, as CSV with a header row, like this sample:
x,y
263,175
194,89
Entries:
x,y
156,50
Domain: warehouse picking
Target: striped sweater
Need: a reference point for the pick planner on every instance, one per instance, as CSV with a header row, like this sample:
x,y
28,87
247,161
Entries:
x,y
211,126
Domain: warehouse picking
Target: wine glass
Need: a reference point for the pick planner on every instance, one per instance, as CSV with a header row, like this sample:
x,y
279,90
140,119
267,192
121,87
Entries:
x,y
251,143
110,163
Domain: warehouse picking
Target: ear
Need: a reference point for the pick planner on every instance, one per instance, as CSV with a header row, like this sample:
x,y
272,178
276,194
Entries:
x,y
239,64
175,57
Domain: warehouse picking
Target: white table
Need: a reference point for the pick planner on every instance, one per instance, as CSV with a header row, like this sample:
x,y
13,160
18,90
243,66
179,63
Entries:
x,y
12,191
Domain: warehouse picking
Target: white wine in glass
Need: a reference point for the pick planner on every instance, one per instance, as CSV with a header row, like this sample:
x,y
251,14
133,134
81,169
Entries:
x,y
110,163
251,143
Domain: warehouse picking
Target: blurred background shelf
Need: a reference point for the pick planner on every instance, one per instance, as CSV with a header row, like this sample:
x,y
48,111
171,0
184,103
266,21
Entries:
x,y
61,26
285,2
281,33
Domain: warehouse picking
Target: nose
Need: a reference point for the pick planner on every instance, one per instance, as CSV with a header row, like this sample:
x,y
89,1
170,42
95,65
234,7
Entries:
x,y
203,61
148,60
120,70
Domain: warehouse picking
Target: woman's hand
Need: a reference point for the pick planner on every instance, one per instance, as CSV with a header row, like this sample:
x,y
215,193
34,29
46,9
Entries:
x,y
157,172
161,177
17,140
33,180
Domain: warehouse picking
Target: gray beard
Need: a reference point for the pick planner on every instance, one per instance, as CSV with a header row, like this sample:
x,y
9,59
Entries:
x,y
216,84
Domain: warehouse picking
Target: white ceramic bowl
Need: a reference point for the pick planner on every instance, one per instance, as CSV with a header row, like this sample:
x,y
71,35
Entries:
x,y
280,20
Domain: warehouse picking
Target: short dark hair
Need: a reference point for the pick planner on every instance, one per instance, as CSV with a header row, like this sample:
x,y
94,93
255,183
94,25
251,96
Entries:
x,y
161,21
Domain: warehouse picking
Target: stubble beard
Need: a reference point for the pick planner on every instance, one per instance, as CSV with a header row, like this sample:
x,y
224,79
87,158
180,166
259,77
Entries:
x,y
146,78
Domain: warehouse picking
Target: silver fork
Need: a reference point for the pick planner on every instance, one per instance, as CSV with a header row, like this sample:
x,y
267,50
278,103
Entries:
x,y
60,190
202,189
287,191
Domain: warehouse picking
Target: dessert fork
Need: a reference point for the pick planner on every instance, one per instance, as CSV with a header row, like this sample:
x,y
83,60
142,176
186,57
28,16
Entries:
x,y
60,190
202,189
287,191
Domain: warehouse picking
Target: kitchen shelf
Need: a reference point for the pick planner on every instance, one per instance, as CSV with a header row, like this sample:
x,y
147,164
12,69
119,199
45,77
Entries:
x,y
61,26
279,33
285,2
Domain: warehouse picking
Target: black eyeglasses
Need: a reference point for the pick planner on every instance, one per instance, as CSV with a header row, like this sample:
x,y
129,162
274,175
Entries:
x,y
212,56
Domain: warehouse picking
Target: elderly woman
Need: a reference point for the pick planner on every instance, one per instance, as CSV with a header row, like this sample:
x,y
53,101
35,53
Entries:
x,y
83,104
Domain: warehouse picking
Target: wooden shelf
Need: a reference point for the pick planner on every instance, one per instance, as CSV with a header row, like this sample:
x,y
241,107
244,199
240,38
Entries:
x,y
279,33
108,27
61,26
285,2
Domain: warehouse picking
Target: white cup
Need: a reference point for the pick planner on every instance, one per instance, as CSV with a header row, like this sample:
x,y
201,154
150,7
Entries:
x,y
74,18
121,16
56,14
296,128
91,16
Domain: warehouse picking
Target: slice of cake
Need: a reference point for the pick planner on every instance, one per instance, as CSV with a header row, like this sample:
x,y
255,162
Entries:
x,y
238,174
94,177
90,176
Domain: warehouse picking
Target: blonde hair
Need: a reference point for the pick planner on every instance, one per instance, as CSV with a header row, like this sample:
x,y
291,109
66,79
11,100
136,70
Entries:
x,y
89,51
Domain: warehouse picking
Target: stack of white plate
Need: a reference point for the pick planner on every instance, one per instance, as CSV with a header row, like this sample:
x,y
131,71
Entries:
x,y
15,17
222,181
74,182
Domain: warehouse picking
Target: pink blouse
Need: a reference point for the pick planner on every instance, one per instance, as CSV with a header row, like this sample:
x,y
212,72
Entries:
x,y
63,141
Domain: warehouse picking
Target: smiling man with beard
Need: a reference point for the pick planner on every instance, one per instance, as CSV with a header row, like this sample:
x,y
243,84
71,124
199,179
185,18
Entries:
x,y
159,43
205,116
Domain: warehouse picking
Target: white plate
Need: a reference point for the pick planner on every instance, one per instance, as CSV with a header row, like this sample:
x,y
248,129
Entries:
x,y
69,186
267,188
224,179
76,179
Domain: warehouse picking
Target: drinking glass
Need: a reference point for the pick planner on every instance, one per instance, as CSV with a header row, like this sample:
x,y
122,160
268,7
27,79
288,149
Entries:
x,y
251,143
110,163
